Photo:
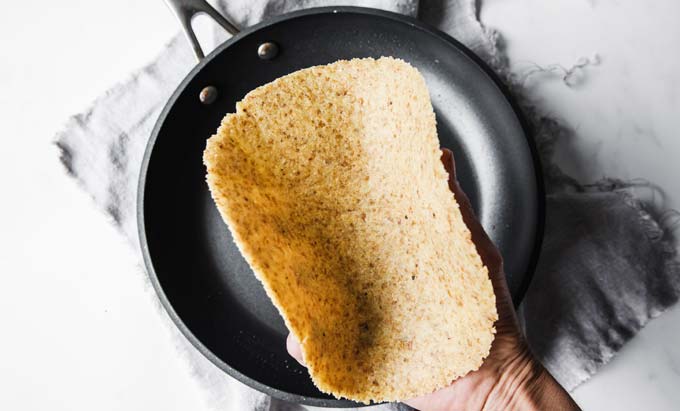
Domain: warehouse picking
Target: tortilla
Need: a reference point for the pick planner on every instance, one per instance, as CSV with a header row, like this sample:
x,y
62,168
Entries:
x,y
331,183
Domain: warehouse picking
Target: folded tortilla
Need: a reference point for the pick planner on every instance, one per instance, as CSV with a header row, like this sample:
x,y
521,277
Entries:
x,y
331,183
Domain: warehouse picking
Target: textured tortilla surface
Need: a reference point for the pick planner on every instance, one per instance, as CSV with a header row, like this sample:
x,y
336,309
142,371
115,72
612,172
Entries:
x,y
331,183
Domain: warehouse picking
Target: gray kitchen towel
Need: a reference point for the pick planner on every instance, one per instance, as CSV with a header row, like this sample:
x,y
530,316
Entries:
x,y
607,264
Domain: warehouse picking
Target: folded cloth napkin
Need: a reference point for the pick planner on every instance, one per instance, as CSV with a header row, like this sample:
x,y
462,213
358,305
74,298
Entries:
x,y
607,265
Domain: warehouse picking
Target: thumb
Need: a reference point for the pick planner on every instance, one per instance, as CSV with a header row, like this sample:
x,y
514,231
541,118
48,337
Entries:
x,y
294,348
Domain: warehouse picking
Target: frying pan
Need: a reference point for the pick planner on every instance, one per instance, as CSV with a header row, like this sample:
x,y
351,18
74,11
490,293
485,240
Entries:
x,y
202,280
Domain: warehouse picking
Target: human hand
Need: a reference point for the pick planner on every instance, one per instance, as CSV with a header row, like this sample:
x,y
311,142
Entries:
x,y
510,378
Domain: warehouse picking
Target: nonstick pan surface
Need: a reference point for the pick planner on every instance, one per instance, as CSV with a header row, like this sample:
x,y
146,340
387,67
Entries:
x,y
201,278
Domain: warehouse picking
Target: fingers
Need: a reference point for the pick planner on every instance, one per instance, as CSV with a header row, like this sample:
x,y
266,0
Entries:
x,y
294,348
485,247
487,250
449,164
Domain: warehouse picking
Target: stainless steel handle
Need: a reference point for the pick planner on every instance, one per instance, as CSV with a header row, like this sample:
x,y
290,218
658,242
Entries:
x,y
185,10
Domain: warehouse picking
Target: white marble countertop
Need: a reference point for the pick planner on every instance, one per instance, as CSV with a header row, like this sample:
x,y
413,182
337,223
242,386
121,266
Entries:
x,y
80,331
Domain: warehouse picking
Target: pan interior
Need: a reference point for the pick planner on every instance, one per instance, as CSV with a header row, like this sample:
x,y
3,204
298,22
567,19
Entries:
x,y
209,288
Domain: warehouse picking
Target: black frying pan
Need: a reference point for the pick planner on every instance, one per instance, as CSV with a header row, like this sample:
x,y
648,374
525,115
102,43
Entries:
x,y
201,278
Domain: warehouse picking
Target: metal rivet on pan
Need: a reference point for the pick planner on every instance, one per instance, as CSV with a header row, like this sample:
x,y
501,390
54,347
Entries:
x,y
267,51
208,95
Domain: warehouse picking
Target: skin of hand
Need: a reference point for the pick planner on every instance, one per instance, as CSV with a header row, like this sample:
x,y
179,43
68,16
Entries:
x,y
510,379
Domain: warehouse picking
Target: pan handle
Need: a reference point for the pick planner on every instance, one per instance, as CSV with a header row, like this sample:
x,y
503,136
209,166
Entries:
x,y
185,10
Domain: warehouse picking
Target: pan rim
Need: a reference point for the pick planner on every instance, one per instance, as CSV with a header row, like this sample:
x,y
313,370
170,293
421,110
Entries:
x,y
141,188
